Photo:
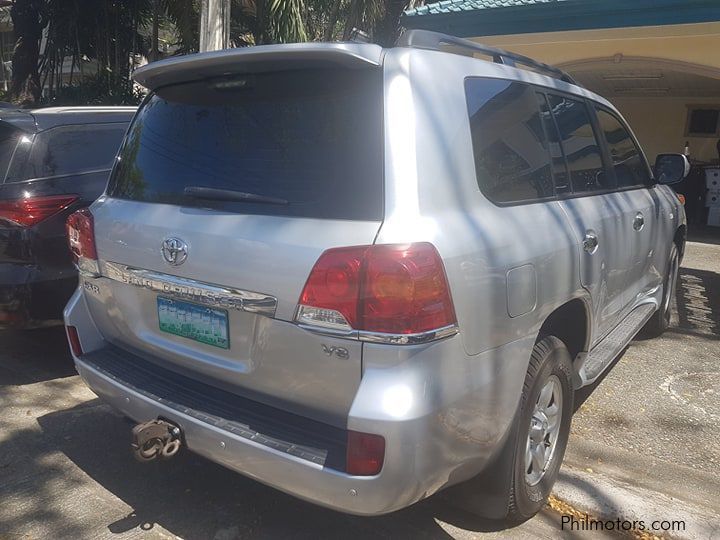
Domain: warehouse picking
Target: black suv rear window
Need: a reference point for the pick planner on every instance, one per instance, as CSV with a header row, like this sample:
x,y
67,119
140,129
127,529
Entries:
x,y
67,150
312,138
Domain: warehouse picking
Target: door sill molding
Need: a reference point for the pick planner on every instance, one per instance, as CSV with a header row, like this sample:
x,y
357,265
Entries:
x,y
589,366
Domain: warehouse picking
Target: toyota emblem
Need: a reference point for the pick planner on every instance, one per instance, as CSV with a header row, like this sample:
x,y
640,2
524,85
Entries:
x,y
174,251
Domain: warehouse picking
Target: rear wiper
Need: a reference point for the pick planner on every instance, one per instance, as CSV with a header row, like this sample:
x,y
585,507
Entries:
x,y
216,194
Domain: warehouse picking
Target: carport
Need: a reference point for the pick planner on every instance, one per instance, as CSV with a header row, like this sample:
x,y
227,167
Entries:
x,y
656,60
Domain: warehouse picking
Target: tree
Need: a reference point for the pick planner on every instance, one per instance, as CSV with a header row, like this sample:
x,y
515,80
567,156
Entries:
x,y
28,23
185,18
387,27
102,39
254,22
331,20
105,39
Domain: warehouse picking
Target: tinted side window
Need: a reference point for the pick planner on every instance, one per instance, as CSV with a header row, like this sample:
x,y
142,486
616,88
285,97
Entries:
x,y
70,150
512,161
581,149
629,165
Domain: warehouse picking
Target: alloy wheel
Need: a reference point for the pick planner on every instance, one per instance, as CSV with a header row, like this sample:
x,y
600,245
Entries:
x,y
544,429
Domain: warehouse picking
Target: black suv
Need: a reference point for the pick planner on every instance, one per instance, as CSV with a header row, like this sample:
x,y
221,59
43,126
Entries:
x,y
53,161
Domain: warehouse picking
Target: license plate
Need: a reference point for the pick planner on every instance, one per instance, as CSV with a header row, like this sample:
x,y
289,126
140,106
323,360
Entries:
x,y
193,321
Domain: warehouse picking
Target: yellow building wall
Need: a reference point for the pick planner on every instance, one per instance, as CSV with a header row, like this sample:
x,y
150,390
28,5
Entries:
x,y
692,43
659,124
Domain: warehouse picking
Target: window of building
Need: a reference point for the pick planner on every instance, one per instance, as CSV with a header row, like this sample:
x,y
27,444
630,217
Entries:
x,y
703,121
512,159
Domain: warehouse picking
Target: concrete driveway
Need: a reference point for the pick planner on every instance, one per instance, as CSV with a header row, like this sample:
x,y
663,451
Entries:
x,y
644,442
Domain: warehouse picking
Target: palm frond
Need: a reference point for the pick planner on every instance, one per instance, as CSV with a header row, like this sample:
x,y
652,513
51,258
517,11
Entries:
x,y
185,17
285,21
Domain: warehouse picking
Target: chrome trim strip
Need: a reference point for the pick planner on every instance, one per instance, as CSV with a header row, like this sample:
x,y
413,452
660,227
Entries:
x,y
379,337
330,332
409,339
87,268
189,289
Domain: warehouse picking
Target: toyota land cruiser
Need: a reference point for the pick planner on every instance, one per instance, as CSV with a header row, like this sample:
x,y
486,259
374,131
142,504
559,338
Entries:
x,y
363,275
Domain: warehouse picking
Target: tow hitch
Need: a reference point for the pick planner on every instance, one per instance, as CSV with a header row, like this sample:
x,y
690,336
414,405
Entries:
x,y
156,439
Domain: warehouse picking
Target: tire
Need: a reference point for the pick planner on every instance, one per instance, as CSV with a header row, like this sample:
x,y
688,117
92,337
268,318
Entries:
x,y
539,448
660,320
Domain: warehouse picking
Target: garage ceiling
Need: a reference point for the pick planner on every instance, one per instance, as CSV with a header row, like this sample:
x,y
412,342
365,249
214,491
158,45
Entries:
x,y
636,78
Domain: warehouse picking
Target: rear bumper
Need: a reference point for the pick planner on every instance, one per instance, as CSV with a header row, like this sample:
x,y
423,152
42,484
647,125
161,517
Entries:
x,y
292,474
443,416
31,298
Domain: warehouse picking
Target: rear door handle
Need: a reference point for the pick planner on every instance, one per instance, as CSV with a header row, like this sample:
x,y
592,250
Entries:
x,y
639,221
590,242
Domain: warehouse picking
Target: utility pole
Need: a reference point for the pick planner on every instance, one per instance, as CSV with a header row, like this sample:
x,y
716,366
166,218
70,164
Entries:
x,y
155,48
214,25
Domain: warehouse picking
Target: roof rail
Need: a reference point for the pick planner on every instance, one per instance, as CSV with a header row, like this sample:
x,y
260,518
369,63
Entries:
x,y
427,39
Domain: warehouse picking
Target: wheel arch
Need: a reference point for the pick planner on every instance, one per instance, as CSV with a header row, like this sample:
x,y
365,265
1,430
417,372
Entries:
x,y
680,238
570,323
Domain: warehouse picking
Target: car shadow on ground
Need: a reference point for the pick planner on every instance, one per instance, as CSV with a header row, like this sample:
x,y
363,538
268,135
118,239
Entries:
x,y
698,304
192,497
704,234
32,356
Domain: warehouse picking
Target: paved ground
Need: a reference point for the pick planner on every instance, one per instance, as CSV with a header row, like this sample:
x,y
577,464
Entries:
x,y
659,406
646,433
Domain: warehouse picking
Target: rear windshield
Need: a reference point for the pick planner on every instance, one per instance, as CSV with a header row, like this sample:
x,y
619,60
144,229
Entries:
x,y
311,139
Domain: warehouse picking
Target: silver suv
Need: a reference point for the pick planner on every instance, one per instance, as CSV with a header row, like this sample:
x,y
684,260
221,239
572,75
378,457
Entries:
x,y
364,275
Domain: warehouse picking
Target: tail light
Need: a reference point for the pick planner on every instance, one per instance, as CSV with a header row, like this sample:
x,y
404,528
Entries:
x,y
380,291
12,318
365,454
30,211
681,198
80,228
74,340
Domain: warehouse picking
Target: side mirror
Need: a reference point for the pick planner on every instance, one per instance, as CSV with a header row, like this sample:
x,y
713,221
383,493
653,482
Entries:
x,y
671,168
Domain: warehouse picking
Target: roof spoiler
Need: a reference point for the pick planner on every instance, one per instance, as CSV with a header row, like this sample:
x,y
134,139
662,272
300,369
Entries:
x,y
435,41
200,66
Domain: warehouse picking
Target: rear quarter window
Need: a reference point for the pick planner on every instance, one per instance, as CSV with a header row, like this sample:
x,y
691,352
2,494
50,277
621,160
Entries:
x,y
67,150
510,148
9,138
312,138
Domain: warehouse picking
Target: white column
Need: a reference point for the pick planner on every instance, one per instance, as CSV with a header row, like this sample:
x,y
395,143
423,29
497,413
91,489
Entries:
x,y
214,25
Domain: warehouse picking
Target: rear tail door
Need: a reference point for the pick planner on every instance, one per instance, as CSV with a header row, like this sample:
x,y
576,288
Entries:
x,y
237,186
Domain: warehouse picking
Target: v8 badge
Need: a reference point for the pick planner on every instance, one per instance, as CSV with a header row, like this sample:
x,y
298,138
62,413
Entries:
x,y
340,352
